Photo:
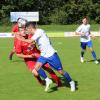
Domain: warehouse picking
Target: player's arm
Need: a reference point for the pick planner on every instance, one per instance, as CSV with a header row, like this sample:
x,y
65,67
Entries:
x,y
92,36
25,40
24,56
18,50
29,40
34,55
78,31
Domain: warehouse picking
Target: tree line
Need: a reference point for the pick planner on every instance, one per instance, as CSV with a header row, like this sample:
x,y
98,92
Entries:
x,y
53,11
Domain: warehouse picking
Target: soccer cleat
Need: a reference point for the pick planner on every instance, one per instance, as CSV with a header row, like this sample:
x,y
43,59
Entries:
x,y
42,82
10,57
81,59
48,83
72,85
96,61
59,84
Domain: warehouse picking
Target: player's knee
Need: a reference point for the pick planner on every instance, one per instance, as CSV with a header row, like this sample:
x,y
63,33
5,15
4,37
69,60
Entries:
x,y
61,72
34,72
91,49
38,66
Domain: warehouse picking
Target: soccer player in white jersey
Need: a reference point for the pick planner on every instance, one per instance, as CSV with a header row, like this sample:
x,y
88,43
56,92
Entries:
x,y
85,39
48,54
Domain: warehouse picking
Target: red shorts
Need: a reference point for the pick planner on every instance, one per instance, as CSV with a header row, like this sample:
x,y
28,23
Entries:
x,y
31,63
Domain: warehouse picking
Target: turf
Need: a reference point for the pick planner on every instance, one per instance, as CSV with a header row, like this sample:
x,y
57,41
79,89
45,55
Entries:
x,y
17,83
53,28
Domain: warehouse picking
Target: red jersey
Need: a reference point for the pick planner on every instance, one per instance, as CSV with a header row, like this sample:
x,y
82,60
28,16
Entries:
x,y
15,28
24,47
27,49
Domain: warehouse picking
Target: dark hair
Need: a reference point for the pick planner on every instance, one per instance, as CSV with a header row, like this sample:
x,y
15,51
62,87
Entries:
x,y
30,24
85,17
21,19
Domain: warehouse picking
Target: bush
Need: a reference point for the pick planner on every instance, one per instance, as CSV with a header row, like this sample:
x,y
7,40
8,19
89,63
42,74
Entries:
x,y
58,17
97,19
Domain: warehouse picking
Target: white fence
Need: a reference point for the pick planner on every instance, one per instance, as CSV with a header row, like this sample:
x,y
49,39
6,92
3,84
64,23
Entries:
x,y
66,34
6,35
71,34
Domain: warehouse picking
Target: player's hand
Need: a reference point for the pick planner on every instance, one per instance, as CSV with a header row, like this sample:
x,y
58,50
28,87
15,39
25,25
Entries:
x,y
35,55
93,36
82,33
30,56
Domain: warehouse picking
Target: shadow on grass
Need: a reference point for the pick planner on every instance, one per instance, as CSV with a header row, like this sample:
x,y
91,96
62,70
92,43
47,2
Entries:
x,y
14,61
93,60
64,84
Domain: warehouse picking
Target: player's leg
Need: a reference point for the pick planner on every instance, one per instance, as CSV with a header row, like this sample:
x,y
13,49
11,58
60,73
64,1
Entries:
x,y
40,62
83,47
36,75
90,45
30,64
11,53
55,62
52,74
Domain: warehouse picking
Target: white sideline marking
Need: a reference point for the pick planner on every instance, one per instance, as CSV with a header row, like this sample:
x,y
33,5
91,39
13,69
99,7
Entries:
x,y
59,43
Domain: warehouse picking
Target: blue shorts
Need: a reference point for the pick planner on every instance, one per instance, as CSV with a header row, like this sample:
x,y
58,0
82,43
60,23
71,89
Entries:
x,y
84,44
53,61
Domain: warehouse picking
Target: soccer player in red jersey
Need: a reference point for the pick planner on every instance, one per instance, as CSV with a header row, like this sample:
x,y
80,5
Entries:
x,y
30,53
15,29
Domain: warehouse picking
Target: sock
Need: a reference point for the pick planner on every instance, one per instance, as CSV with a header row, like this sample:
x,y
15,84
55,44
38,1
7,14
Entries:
x,y
67,77
42,82
94,55
46,79
82,53
42,73
38,78
53,75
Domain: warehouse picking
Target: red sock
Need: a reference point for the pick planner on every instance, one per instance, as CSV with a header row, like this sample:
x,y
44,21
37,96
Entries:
x,y
55,78
42,82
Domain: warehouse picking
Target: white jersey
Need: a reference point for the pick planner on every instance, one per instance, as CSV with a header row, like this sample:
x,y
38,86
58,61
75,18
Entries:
x,y
43,43
84,29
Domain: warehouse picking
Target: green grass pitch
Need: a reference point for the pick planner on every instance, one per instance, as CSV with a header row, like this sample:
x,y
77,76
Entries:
x,y
17,83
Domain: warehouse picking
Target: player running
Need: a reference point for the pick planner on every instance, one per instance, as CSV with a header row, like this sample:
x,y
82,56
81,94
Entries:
x,y
85,39
48,54
30,53
15,29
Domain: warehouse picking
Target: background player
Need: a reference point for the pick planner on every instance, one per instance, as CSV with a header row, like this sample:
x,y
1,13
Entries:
x,y
85,39
48,54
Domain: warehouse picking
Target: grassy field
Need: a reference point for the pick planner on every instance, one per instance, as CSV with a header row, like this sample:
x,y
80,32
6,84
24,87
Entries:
x,y
17,83
54,28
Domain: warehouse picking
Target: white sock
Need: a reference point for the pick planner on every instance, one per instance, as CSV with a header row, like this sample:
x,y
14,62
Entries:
x,y
46,79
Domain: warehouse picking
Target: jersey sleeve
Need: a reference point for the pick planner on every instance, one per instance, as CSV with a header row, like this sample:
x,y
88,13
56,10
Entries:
x,y
89,27
37,35
15,28
78,29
